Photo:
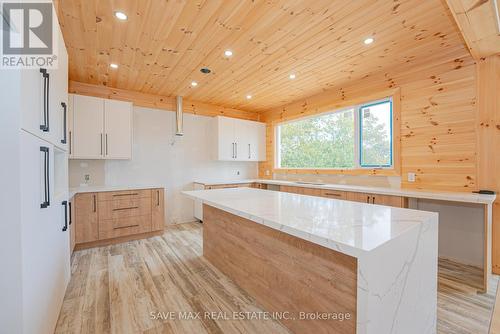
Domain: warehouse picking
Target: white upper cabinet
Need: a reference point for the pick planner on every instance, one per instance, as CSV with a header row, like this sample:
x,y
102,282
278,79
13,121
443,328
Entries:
x,y
42,114
239,140
117,129
88,127
100,128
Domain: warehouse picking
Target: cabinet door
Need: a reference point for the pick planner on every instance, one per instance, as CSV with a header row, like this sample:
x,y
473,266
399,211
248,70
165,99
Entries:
x,y
86,218
118,129
88,127
72,234
255,141
59,97
70,124
395,201
243,132
157,209
45,254
32,103
359,197
225,139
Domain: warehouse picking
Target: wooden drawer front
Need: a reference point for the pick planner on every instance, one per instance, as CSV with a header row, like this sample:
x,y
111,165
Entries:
x,y
311,191
126,194
336,194
290,189
113,228
124,207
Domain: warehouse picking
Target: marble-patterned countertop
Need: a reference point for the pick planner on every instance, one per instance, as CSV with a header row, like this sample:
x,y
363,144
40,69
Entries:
x,y
466,197
352,228
96,189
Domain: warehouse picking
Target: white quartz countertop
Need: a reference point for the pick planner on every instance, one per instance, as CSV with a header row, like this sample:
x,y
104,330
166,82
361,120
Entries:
x,y
349,227
467,197
96,189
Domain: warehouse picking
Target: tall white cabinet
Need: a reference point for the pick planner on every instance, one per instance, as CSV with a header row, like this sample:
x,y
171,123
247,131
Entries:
x,y
33,104
100,128
239,140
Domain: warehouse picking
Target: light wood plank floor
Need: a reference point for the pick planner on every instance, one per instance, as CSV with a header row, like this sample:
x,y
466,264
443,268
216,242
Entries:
x,y
131,287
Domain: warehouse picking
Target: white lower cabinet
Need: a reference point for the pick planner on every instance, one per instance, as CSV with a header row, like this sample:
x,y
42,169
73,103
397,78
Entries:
x,y
239,140
45,242
100,128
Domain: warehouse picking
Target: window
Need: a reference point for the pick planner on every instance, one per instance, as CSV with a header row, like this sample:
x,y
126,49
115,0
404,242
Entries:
x,y
375,143
355,137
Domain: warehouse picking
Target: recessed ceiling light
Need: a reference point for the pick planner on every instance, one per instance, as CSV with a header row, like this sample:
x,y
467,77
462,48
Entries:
x,y
194,83
292,76
369,40
113,65
121,16
249,97
228,53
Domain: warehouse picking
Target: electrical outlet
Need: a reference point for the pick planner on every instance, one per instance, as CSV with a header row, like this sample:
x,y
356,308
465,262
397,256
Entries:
x,y
268,172
87,178
237,172
411,177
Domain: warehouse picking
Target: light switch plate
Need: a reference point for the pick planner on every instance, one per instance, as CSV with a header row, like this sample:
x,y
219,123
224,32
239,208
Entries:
x,y
411,177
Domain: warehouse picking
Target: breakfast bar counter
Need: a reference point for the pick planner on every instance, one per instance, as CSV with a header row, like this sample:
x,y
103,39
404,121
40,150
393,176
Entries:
x,y
326,265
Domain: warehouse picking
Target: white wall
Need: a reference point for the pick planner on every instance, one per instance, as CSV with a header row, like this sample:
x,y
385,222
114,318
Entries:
x,y
161,158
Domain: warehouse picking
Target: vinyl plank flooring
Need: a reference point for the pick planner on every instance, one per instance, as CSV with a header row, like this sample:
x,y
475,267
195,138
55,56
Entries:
x,y
131,287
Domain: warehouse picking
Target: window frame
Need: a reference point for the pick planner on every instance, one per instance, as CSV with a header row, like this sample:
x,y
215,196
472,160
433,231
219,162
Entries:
x,y
358,169
360,135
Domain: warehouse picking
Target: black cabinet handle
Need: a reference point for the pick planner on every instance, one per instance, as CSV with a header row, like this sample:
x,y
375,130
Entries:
x,y
46,175
70,215
106,141
95,205
158,198
46,84
65,204
63,105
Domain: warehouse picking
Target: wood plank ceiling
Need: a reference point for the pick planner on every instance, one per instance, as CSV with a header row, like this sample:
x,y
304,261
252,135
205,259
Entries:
x,y
163,44
479,25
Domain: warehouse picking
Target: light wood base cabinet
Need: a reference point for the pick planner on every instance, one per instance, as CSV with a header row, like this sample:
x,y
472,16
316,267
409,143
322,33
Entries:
x,y
395,201
105,216
86,219
157,209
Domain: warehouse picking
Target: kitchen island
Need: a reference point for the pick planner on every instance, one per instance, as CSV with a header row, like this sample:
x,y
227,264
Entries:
x,y
326,265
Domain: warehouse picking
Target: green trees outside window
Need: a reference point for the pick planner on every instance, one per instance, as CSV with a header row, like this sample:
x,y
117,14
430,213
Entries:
x,y
356,137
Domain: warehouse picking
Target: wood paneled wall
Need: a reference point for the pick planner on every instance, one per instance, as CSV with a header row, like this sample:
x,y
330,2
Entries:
x,y
438,117
488,132
158,101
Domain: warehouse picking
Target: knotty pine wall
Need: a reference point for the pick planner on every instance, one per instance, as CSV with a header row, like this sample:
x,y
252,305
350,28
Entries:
x,y
438,119
488,131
